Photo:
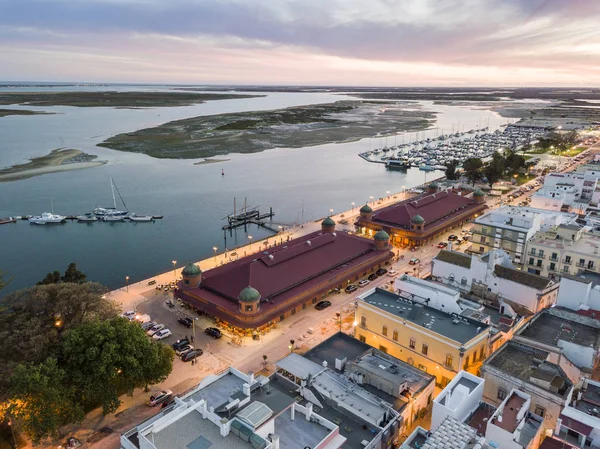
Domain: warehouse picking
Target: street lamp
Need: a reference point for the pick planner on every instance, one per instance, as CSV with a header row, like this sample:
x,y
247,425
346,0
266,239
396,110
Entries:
x,y
388,193
250,239
291,346
215,250
372,202
127,283
174,273
353,204
330,212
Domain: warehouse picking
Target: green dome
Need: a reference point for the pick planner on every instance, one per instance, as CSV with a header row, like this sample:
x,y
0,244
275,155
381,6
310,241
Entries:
x,y
328,222
478,192
417,219
191,270
433,185
249,294
366,209
381,235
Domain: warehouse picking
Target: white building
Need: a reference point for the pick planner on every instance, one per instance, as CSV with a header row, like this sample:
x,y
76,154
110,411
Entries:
x,y
493,276
579,422
556,199
581,292
583,183
459,399
510,228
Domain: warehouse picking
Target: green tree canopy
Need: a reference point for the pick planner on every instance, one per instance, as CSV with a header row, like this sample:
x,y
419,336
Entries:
x,y
33,321
72,275
42,400
106,358
472,168
451,173
494,169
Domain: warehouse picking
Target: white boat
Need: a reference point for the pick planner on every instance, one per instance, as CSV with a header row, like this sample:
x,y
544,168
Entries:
x,y
87,218
113,218
46,218
141,218
112,211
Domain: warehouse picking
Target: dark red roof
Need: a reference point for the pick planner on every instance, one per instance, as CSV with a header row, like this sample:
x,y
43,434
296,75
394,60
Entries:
x,y
287,270
553,443
575,425
434,208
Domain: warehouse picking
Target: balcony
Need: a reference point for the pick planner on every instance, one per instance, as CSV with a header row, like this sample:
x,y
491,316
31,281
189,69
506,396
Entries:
x,y
567,262
580,265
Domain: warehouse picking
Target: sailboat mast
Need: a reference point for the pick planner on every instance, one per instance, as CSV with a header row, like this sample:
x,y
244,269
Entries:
x,y
112,188
234,212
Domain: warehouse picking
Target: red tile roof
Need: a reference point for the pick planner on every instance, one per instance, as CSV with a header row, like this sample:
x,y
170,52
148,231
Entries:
x,y
434,208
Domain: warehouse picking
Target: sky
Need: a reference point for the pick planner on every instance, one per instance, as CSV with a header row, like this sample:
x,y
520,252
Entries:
x,y
303,42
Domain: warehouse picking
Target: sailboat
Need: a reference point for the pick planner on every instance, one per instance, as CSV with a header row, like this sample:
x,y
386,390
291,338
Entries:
x,y
47,217
112,213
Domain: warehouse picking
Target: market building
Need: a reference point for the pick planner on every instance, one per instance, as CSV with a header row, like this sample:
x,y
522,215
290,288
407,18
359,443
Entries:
x,y
269,286
417,220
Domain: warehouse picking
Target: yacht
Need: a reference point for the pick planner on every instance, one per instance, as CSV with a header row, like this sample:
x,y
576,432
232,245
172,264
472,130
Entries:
x,y
141,218
113,218
87,218
46,218
112,211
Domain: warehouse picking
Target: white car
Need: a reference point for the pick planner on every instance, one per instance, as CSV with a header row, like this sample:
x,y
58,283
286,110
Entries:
x,y
392,273
183,349
164,333
130,315
363,283
154,329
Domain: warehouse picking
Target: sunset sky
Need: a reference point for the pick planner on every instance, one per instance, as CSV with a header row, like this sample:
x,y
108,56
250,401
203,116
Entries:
x,y
303,42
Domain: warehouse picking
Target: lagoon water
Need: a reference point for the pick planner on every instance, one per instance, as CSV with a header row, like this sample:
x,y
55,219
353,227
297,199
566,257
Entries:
x,y
192,198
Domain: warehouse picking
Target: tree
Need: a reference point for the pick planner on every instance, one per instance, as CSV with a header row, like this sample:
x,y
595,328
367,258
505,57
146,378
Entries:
x,y
472,169
72,275
494,169
41,400
107,358
513,162
33,321
451,173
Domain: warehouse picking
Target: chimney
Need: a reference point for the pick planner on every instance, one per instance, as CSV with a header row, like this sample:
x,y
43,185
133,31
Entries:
x,y
293,411
246,389
274,441
309,411
324,363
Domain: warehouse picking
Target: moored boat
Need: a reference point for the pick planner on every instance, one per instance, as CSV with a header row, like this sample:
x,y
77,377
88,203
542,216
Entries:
x,y
87,218
141,218
46,218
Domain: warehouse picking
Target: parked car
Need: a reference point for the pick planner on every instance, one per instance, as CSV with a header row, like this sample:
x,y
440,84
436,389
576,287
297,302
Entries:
x,y
152,282
148,325
186,321
190,355
442,245
322,305
162,334
213,332
143,318
183,349
381,271
372,277
179,343
414,261
154,329
130,315
351,288
392,273
159,397
452,237
363,282
466,237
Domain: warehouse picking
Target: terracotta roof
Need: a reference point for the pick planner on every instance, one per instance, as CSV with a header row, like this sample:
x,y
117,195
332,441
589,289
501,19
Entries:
x,y
454,258
432,207
522,277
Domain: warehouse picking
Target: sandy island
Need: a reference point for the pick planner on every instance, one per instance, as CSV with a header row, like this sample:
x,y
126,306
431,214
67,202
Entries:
x,y
58,160
7,112
210,161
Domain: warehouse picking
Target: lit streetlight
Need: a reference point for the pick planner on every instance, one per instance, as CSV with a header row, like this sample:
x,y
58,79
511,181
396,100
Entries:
x,y
250,239
174,266
330,212
215,250
127,283
388,193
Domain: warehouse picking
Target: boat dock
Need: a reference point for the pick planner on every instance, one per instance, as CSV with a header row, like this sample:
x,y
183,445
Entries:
x,y
368,159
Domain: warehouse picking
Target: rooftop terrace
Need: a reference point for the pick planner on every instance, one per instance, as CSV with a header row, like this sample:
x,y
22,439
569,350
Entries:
x,y
550,329
439,322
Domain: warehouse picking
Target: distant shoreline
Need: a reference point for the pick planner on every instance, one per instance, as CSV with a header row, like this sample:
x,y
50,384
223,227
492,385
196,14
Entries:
x,y
58,160
7,112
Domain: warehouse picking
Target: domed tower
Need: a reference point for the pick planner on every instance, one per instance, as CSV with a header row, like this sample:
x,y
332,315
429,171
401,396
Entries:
x,y
192,275
433,188
417,223
479,196
382,240
328,225
249,300
366,212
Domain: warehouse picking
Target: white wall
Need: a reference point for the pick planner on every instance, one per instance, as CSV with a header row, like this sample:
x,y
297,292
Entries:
x,y
440,298
574,294
450,406
581,356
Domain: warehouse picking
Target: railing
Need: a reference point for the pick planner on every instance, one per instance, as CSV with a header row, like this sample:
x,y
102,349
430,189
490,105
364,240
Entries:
x,y
581,265
567,262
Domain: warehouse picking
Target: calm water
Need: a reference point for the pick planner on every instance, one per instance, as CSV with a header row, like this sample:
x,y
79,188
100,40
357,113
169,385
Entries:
x,y
193,199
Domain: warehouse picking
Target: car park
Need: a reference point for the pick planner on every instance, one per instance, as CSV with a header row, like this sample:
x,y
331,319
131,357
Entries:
x,y
372,277
442,245
363,282
159,397
148,325
154,329
351,288
180,343
191,355
183,349
213,332
392,273
322,305
186,321
414,261
381,272
162,334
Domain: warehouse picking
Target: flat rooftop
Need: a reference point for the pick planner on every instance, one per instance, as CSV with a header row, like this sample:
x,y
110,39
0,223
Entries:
x,y
550,329
298,433
337,346
511,409
437,321
590,399
586,245
524,362
219,391
480,417
193,432
463,382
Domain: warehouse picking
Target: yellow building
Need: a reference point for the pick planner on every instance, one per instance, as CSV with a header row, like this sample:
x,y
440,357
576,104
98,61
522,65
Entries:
x,y
567,249
429,339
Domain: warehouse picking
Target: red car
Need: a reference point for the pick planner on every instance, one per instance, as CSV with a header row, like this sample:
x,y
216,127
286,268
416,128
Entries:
x,y
442,245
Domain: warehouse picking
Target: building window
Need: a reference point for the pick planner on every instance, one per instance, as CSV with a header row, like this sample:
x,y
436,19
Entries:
x,y
363,321
249,308
424,349
501,394
567,259
482,239
362,338
539,263
293,311
541,253
554,256
482,353
303,306
590,264
481,249
449,361
565,269
463,281
281,317
412,343
384,331
540,411
395,336
532,252
467,361
422,367
531,261
552,266
383,349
